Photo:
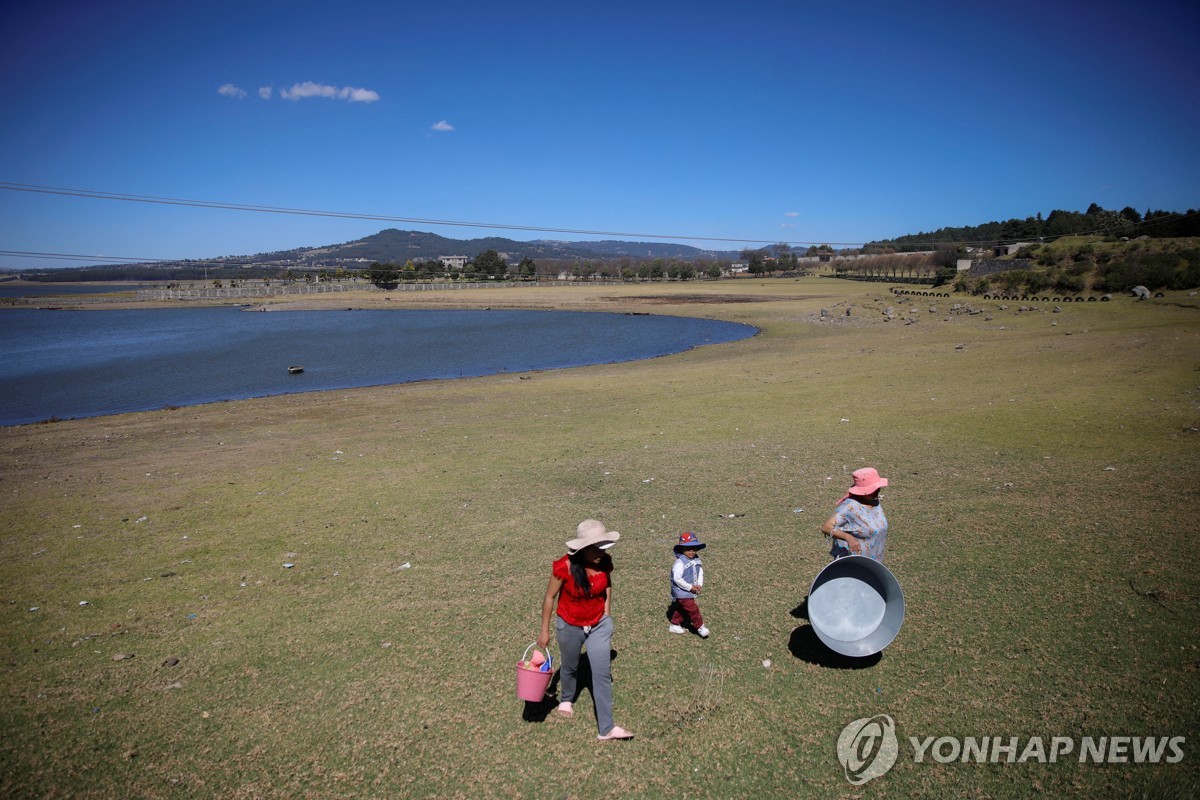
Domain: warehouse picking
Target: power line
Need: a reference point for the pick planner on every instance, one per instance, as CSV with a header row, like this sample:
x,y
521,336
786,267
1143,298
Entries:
x,y
78,257
177,201
229,206
239,262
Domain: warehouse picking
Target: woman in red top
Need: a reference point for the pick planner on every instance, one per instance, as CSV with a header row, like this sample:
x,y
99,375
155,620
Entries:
x,y
581,582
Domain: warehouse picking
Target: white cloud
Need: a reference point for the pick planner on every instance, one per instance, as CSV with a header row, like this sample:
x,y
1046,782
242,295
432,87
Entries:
x,y
442,126
792,214
300,91
229,90
265,92
358,95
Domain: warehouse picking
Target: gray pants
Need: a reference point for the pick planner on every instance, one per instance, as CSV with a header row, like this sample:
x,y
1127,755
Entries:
x,y
571,640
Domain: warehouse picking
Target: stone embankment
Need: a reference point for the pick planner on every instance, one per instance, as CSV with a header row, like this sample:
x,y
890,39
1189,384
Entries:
x,y
254,292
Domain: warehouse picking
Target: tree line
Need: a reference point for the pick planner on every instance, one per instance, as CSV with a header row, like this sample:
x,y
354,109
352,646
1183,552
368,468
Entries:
x,y
1127,222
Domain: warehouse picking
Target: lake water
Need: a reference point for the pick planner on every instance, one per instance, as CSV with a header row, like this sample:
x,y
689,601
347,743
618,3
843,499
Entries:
x,y
67,364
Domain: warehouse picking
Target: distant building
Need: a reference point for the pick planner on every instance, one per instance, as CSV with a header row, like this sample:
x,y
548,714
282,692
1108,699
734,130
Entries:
x,y
453,262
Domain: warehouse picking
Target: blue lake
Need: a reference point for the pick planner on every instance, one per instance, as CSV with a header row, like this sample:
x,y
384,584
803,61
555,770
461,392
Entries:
x,y
67,364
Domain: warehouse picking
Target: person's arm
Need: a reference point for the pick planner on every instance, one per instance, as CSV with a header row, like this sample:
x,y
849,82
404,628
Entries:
x,y
552,590
699,584
829,529
677,576
607,599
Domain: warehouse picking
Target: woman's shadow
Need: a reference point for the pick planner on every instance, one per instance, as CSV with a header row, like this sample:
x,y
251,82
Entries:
x,y
806,646
539,710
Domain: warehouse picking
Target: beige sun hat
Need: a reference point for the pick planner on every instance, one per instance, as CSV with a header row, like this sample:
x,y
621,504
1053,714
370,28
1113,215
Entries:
x,y
592,532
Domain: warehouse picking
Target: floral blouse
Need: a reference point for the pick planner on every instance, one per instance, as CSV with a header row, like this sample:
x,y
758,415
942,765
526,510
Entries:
x,y
865,523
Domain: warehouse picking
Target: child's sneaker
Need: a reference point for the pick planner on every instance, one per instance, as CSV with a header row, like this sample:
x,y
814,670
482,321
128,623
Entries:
x,y
703,631
676,629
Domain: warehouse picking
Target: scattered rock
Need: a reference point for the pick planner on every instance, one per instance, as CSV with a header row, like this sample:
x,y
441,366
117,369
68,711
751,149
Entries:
x,y
122,656
1141,292
960,347
171,661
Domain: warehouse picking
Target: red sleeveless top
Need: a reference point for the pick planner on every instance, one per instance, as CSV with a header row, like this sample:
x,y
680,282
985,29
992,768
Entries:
x,y
574,606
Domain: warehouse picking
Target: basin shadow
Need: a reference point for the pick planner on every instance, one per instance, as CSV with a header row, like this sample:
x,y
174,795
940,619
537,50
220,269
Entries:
x,y
806,646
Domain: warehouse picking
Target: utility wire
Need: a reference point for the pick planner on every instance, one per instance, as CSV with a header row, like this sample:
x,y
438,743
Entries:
x,y
176,201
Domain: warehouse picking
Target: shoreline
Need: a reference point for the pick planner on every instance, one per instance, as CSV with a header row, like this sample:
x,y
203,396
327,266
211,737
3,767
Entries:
x,y
177,579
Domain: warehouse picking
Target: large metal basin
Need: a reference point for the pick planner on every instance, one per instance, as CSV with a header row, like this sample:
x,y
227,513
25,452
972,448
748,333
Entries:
x,y
856,606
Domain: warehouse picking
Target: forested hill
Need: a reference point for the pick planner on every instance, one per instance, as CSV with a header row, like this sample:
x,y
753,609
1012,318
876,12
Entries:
x,y
1096,220
392,245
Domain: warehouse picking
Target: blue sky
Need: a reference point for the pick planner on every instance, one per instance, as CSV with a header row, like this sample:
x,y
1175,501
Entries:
x,y
755,121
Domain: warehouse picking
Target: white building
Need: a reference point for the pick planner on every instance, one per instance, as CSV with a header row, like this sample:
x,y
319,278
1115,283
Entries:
x,y
453,262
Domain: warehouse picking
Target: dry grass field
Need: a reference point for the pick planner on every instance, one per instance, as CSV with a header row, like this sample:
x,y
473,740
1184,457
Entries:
x,y
1043,497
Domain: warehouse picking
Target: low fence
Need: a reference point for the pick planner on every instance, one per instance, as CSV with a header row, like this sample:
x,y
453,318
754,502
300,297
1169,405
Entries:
x,y
1011,297
252,292
917,292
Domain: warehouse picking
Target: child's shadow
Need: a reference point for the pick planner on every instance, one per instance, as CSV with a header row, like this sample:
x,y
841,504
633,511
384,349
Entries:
x,y
806,646
538,711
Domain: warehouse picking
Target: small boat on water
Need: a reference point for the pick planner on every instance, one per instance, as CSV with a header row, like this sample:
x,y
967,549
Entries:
x,y
295,369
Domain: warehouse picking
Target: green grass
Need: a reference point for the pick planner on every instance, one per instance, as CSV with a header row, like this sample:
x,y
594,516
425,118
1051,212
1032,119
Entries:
x,y
1043,528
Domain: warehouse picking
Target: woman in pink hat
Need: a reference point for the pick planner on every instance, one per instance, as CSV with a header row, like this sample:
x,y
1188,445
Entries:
x,y
858,526
580,582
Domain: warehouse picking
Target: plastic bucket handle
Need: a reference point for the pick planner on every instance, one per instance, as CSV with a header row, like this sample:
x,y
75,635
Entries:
x,y
549,658
532,683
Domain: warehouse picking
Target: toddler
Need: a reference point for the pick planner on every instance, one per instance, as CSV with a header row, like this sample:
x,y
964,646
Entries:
x,y
687,581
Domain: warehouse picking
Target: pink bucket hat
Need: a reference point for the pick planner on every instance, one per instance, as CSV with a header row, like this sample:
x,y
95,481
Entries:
x,y
592,531
866,481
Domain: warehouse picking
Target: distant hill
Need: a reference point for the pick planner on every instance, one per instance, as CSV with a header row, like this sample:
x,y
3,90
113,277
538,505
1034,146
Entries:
x,y
398,246
388,246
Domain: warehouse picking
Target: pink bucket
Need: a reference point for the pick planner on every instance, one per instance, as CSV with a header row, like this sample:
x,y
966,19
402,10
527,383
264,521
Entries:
x,y
532,682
